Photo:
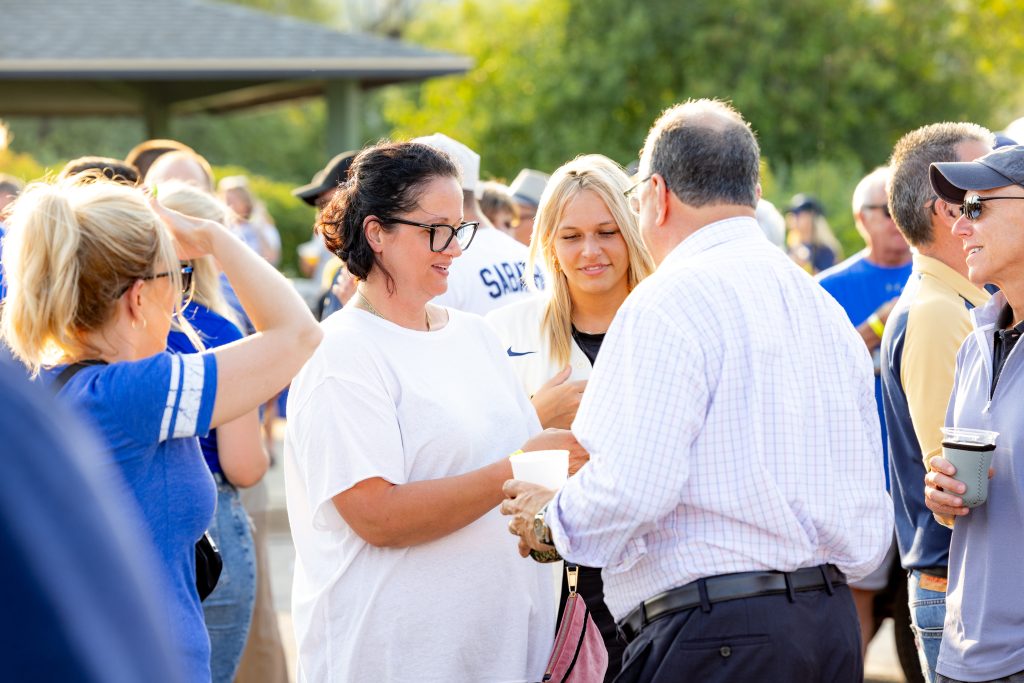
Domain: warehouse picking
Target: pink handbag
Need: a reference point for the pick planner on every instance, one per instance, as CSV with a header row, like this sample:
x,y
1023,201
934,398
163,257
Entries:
x,y
579,654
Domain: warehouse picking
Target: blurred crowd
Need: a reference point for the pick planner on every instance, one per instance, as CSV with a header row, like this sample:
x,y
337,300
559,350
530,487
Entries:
x,y
757,473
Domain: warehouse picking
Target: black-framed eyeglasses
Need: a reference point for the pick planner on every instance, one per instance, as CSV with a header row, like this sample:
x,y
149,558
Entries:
x,y
633,196
442,234
971,208
186,281
883,207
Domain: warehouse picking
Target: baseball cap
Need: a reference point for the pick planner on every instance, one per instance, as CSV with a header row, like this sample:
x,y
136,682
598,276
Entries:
x,y
467,159
952,179
329,177
529,186
805,202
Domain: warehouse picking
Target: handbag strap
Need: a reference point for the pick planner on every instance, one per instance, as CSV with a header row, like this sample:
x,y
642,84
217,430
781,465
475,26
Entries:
x,y
572,574
70,371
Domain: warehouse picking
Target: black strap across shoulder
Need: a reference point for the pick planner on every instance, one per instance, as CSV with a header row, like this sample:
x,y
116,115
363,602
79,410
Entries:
x,y
70,371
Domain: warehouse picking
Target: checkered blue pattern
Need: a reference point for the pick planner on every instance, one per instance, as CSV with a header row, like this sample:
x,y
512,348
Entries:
x,y
731,424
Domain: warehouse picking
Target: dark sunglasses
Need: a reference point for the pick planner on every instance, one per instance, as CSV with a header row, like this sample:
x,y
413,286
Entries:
x,y
442,234
972,205
186,281
884,208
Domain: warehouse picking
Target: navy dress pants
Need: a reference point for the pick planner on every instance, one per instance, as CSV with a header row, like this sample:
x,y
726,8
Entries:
x,y
813,637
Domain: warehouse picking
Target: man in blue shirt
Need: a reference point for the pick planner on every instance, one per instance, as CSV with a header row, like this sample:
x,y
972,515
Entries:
x,y
866,285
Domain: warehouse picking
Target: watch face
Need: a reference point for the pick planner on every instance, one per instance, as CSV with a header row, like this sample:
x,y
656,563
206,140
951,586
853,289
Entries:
x,y
540,529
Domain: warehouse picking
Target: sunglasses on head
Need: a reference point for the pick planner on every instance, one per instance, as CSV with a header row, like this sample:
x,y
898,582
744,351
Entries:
x,y
971,208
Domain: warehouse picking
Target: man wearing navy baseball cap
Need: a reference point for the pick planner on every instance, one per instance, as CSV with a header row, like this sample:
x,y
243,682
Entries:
x,y
982,636
953,181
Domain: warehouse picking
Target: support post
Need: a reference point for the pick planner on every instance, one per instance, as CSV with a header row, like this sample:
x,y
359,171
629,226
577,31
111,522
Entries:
x,y
344,116
157,118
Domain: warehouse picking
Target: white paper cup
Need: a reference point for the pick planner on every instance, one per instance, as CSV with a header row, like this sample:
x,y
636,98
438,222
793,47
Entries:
x,y
550,469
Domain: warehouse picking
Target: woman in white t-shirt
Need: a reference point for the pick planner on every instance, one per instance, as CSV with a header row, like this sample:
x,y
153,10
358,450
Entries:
x,y
397,446
588,238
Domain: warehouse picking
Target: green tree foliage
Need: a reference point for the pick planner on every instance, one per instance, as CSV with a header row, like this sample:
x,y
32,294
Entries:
x,y
279,142
499,107
293,217
312,10
829,85
814,77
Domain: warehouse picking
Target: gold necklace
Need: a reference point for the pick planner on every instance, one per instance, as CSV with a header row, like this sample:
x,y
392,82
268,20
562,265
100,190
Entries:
x,y
368,307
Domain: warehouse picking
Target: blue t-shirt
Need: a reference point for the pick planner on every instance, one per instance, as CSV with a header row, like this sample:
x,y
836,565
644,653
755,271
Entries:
x,y
861,287
234,303
148,413
214,330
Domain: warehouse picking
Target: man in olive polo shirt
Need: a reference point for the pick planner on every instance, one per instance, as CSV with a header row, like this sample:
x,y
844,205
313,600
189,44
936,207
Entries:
x,y
919,346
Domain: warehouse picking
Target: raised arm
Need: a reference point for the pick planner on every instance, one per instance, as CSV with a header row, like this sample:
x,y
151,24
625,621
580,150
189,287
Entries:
x,y
254,369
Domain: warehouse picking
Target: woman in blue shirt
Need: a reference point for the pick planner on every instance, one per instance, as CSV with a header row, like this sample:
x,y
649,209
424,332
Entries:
x,y
94,279
233,452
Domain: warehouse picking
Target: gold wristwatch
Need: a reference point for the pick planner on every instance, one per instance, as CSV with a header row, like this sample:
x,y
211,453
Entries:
x,y
540,529
543,533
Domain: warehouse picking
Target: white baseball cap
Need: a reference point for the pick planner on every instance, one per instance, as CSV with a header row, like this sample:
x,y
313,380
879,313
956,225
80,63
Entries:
x,y
528,186
467,159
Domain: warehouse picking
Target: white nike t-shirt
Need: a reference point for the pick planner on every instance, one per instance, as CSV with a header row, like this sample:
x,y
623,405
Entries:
x,y
379,400
519,328
488,275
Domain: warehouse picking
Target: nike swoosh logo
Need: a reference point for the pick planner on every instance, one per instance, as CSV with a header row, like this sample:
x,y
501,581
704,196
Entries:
x,y
513,354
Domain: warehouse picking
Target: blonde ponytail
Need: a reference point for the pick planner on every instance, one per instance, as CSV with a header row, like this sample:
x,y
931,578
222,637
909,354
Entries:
x,y
71,251
41,247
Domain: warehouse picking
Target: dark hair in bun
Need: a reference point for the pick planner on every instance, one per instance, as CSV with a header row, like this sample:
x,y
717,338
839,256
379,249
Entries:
x,y
384,180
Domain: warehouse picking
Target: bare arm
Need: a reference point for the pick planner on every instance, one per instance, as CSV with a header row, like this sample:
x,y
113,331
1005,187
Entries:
x,y
242,456
397,516
250,371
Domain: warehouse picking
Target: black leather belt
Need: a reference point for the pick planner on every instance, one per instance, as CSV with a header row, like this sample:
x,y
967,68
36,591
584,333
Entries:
x,y
728,587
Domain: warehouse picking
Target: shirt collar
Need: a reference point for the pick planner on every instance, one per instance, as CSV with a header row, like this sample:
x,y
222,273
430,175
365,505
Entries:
x,y
990,316
714,234
952,279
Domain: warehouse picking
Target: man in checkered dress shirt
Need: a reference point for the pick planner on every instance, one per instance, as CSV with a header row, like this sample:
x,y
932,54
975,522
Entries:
x,y
732,429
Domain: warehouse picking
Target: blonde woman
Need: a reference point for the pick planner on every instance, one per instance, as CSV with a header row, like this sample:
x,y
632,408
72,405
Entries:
x,y
94,281
587,237
812,245
233,452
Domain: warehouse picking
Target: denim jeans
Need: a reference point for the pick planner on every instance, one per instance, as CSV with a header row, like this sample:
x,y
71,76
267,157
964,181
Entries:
x,y
927,615
228,610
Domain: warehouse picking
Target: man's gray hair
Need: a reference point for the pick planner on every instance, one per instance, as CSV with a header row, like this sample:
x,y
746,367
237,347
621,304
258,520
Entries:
x,y
910,194
860,194
706,152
